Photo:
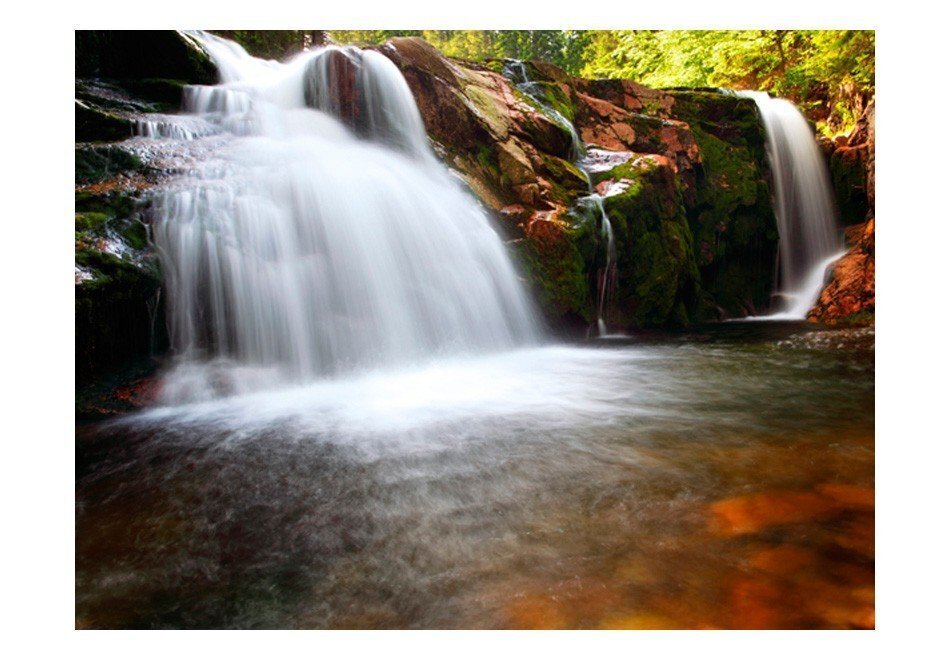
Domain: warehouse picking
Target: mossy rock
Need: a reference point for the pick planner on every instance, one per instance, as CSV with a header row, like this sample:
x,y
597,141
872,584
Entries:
x,y
142,54
848,167
117,307
115,215
732,219
95,124
658,281
557,274
115,312
98,163
568,181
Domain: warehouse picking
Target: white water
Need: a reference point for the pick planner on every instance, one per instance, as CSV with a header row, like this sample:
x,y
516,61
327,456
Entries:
x,y
299,247
809,242
607,276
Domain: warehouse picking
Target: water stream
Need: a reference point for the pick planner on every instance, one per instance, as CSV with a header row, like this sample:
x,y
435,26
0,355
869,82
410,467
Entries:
x,y
809,241
607,275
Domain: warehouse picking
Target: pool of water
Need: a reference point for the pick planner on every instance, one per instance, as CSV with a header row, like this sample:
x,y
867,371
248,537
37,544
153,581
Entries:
x,y
719,479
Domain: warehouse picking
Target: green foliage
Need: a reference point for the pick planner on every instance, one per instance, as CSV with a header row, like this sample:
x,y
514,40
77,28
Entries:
x,y
269,44
564,48
830,73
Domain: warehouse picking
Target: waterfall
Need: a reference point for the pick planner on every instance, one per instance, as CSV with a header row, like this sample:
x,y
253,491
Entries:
x,y
809,242
606,276
315,232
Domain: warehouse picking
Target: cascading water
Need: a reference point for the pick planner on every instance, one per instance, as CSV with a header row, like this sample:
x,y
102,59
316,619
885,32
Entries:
x,y
607,276
316,233
809,241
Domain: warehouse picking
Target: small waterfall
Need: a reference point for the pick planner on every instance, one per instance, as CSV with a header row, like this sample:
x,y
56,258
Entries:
x,y
606,276
809,242
316,233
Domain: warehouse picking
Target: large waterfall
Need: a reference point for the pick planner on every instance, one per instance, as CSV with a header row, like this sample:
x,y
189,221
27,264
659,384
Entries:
x,y
315,232
809,241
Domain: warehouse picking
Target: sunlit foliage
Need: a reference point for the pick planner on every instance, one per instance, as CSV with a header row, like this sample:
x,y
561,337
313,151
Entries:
x,y
829,73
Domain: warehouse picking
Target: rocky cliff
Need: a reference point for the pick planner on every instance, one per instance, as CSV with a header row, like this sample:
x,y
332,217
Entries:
x,y
683,174
849,297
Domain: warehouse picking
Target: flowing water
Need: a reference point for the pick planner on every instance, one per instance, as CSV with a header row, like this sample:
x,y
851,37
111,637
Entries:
x,y
319,234
716,480
809,241
593,202
398,452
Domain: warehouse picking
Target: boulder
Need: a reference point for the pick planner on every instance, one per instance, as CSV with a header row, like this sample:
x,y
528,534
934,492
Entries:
x,y
848,300
139,55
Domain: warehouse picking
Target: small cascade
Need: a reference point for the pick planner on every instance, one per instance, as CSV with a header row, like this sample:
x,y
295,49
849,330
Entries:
x,y
809,241
516,71
316,233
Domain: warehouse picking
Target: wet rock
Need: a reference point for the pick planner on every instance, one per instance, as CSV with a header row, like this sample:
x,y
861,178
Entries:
x,y
142,54
98,163
848,300
118,315
97,124
658,282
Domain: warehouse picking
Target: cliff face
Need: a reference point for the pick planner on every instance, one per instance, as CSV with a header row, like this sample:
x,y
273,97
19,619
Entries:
x,y
683,175
849,297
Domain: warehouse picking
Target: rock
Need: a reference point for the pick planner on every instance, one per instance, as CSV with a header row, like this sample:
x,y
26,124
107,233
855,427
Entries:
x,y
658,282
713,200
555,269
735,237
96,124
98,163
142,54
849,168
117,281
848,300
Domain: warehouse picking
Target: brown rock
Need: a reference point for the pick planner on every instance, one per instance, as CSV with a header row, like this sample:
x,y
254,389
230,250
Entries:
x,y
849,298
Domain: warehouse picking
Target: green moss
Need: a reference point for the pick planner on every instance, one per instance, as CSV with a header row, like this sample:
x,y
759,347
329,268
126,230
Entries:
x,y
569,182
94,124
91,221
647,131
731,217
657,274
553,96
97,163
557,274
489,110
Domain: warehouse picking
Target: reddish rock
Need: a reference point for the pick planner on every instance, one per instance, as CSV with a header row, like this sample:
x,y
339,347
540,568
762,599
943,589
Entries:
x,y
849,298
